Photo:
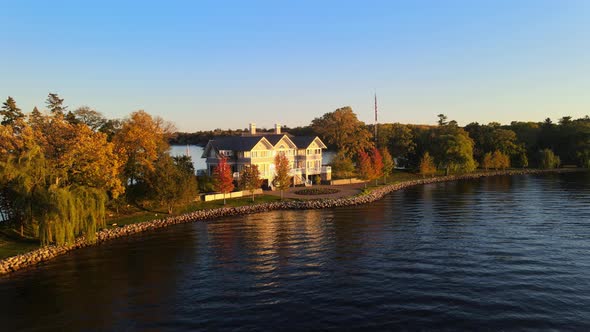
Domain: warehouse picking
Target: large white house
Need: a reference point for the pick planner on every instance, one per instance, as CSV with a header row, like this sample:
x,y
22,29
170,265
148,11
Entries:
x,y
304,153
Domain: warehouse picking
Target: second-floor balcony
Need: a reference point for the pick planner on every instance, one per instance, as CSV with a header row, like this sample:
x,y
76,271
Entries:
x,y
311,170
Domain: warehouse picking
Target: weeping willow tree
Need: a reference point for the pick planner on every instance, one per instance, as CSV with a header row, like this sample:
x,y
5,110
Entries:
x,y
72,211
43,208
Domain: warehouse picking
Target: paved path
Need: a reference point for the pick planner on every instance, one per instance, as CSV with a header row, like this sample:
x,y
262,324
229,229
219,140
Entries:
x,y
345,190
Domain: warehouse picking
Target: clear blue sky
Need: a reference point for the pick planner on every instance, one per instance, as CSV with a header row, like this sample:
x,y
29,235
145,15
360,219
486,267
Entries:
x,y
223,64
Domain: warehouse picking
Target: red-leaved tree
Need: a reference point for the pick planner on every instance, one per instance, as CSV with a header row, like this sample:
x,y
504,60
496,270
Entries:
x,y
223,179
377,161
365,166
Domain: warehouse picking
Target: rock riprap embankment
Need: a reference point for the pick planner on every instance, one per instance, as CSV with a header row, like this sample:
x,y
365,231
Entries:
x,y
32,258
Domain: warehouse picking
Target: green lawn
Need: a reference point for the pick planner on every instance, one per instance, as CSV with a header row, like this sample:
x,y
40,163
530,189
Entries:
x,y
137,215
11,245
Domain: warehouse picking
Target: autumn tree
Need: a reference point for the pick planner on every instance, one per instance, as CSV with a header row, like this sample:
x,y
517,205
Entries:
x,y
282,178
92,161
142,139
377,164
366,171
427,166
11,114
500,160
343,130
487,161
250,179
223,181
388,163
45,203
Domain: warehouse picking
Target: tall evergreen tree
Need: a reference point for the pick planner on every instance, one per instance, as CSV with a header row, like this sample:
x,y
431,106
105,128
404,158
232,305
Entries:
x,y
55,104
35,118
11,114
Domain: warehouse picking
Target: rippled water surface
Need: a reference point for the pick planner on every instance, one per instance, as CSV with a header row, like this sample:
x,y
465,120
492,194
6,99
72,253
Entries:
x,y
497,253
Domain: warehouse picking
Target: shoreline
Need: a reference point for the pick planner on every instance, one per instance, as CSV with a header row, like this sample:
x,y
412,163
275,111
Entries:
x,y
35,257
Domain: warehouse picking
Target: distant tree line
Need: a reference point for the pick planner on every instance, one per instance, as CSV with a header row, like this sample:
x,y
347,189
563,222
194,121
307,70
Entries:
x,y
202,137
454,149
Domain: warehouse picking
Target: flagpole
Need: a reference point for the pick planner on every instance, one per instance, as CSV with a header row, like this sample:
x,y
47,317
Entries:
x,y
376,117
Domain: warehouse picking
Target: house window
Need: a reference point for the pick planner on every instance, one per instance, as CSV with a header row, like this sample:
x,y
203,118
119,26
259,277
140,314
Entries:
x,y
246,154
226,153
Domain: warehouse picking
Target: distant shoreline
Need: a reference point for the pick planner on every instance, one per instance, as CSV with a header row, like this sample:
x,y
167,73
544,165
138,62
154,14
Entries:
x,y
32,258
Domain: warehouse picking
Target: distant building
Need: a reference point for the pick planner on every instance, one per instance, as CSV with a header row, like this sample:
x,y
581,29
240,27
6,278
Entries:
x,y
304,153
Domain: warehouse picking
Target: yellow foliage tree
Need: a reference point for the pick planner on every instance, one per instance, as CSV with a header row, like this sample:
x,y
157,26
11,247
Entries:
x,y
141,139
427,167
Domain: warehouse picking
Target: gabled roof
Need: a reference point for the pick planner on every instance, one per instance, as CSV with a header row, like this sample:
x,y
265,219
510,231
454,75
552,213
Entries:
x,y
303,142
274,139
234,143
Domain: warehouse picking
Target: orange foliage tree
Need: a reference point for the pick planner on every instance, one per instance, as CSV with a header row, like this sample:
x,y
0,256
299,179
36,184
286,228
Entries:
x,y
365,166
223,179
377,163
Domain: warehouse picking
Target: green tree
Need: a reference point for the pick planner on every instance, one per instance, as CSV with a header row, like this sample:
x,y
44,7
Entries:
x,y
111,127
454,149
442,120
342,166
388,163
11,114
223,181
548,159
93,119
427,167
343,130
282,179
250,179
36,119
55,105
173,181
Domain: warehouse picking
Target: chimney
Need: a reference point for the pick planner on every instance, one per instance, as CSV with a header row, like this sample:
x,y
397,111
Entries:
x,y
277,128
252,128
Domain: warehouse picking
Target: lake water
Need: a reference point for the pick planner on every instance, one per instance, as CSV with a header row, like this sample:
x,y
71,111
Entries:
x,y
500,253
196,151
